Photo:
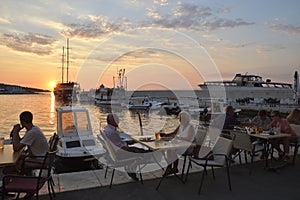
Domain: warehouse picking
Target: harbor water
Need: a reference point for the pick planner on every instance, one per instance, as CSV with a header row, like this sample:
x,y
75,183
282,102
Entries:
x,y
43,106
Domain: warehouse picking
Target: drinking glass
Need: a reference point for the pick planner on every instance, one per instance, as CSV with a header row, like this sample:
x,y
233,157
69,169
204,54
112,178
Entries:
x,y
1,142
157,136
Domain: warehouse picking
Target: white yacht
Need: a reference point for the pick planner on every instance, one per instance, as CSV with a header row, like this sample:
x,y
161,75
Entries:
x,y
252,86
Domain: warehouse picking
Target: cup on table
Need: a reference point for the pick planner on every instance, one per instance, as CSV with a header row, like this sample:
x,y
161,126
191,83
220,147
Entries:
x,y
157,136
1,142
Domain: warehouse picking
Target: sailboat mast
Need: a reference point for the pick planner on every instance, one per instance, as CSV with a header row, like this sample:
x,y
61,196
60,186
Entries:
x,y
62,64
68,60
296,85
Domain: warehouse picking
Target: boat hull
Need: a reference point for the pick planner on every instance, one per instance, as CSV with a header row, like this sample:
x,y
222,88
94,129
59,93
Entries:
x,y
66,91
72,164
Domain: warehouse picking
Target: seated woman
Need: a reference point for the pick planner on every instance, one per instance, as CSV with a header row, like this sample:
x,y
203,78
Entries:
x,y
284,128
184,131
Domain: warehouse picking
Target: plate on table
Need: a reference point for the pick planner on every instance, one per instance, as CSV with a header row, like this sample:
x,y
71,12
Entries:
x,y
265,134
125,137
147,139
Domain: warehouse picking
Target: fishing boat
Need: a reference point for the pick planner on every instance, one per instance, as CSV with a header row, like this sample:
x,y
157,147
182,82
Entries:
x,y
66,91
77,143
105,96
251,86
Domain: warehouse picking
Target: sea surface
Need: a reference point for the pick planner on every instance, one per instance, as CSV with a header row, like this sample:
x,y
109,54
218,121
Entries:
x,y
43,106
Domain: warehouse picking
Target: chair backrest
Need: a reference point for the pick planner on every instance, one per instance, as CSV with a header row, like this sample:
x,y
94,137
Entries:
x,y
53,142
222,146
200,135
45,171
241,140
110,149
296,128
212,134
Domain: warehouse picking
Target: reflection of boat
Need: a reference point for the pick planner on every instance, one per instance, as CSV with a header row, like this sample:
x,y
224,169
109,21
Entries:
x,y
76,140
251,86
66,91
112,96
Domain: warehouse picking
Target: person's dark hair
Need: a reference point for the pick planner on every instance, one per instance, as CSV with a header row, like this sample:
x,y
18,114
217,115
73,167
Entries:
x,y
112,119
229,108
262,113
26,117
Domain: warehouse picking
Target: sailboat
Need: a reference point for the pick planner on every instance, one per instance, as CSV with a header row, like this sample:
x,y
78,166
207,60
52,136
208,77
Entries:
x,y
66,91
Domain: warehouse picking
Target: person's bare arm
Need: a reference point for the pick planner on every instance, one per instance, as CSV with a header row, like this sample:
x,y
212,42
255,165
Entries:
x,y
17,145
172,134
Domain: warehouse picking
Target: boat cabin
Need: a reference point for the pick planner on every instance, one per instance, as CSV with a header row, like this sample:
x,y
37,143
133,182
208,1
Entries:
x,y
75,132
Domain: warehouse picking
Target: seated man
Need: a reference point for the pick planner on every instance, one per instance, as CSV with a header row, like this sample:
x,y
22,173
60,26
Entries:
x,y
231,120
261,120
113,135
34,139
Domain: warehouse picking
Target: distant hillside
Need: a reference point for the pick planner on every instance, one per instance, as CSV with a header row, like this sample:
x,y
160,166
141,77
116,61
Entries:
x,y
16,89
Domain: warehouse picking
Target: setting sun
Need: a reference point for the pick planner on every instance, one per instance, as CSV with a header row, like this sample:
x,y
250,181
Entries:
x,y
52,84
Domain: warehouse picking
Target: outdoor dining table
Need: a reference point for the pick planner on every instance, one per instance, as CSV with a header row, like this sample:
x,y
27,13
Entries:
x,y
8,156
267,138
163,146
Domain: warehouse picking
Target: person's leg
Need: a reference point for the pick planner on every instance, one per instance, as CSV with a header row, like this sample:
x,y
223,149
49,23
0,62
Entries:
x,y
286,146
275,144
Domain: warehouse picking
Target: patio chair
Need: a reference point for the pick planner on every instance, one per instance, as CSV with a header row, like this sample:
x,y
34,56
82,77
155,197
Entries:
x,y
31,163
53,141
31,184
219,157
199,140
114,161
243,144
296,143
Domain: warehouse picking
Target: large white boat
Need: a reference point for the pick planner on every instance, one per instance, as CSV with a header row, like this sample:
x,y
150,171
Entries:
x,y
76,140
251,86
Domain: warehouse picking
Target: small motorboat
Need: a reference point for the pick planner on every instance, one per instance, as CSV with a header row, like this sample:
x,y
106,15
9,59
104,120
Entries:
x,y
76,144
143,103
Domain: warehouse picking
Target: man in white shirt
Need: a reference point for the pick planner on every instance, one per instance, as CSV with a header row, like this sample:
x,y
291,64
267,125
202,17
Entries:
x,y
121,147
34,138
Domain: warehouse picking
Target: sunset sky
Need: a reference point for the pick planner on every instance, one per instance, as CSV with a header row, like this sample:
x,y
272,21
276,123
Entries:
x,y
160,43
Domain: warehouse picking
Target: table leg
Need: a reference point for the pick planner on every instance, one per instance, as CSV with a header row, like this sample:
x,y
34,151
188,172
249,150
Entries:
x,y
165,175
